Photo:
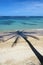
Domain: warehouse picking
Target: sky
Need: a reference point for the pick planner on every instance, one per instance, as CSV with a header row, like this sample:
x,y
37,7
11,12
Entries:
x,y
21,7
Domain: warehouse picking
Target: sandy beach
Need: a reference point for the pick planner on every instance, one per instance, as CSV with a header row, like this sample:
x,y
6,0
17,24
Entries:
x,y
21,53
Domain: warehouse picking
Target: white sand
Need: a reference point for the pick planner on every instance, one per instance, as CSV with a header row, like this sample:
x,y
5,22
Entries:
x,y
21,54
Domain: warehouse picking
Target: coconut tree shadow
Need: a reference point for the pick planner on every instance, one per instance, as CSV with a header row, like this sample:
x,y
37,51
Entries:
x,y
39,56
24,35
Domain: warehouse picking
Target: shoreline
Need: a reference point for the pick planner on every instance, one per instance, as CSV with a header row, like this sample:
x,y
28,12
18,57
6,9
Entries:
x,y
20,30
32,31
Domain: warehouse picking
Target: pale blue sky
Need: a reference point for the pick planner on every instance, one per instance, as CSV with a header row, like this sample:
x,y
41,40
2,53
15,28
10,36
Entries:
x,y
21,7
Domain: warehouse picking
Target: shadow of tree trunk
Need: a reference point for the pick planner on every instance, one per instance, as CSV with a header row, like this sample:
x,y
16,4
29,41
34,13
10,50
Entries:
x,y
39,56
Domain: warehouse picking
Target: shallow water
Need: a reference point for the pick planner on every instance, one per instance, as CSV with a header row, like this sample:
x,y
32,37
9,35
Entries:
x,y
20,23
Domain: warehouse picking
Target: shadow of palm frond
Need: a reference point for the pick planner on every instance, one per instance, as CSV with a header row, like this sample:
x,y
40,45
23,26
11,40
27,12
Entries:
x,y
24,35
1,38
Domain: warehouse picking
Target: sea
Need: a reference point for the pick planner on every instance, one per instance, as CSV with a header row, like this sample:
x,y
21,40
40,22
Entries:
x,y
8,23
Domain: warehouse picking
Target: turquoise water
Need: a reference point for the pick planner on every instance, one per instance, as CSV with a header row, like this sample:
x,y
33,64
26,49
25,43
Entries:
x,y
21,23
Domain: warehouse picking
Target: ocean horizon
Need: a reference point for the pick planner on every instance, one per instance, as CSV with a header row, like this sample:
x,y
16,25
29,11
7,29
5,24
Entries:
x,y
20,22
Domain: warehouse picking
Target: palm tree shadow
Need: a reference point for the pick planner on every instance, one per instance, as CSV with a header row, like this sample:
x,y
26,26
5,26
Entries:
x,y
23,35
38,55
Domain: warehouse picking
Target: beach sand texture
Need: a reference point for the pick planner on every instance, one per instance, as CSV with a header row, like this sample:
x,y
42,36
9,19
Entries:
x,y
21,53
